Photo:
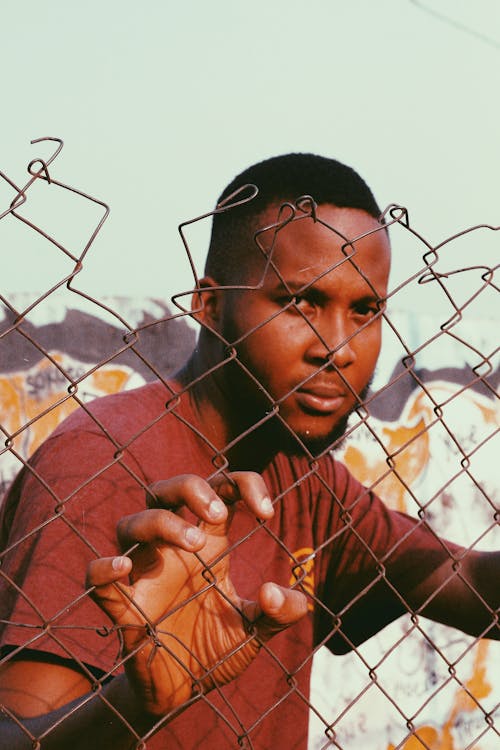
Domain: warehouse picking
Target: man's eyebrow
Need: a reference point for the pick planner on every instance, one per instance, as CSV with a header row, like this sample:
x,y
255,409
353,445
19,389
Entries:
x,y
371,297
301,284
291,285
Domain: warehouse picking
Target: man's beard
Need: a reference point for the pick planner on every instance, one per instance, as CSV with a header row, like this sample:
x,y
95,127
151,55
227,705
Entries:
x,y
274,431
318,445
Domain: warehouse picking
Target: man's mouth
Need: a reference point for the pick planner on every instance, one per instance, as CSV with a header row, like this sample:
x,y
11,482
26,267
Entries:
x,y
320,399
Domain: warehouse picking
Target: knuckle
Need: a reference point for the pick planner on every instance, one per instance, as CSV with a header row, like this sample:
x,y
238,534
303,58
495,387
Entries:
x,y
258,485
192,483
166,519
123,527
249,477
175,491
168,525
251,484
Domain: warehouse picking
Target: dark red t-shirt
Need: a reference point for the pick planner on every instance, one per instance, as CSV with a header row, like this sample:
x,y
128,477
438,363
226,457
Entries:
x,y
93,470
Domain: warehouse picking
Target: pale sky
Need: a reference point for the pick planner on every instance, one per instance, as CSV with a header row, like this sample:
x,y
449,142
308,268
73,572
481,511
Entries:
x,y
161,103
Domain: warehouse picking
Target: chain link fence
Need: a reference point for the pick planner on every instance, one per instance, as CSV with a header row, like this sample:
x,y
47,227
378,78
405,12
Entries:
x,y
424,438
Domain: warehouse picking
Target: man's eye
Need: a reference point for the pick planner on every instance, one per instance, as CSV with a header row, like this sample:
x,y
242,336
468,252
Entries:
x,y
295,303
291,301
366,309
302,303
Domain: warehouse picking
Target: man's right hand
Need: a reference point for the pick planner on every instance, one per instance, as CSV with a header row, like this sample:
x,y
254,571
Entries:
x,y
183,626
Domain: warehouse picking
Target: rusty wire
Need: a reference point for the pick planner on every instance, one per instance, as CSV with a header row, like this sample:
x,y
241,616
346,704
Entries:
x,y
482,376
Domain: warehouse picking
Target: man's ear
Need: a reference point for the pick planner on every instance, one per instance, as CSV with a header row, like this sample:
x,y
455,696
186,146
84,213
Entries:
x,y
206,303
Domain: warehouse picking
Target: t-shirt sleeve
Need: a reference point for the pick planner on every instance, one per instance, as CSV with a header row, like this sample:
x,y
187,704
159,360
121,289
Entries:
x,y
371,559
68,504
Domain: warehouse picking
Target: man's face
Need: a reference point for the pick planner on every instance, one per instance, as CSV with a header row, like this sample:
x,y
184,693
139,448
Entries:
x,y
313,346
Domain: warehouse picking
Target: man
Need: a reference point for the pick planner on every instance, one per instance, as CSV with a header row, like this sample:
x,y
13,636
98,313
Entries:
x,y
242,545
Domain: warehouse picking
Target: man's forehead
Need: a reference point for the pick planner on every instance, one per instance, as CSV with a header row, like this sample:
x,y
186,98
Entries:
x,y
332,222
312,243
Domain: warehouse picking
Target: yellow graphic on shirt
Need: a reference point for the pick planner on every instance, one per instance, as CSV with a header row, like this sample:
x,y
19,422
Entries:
x,y
302,563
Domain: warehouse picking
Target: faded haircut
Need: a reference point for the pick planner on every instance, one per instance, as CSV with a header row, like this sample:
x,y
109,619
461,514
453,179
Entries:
x,y
279,179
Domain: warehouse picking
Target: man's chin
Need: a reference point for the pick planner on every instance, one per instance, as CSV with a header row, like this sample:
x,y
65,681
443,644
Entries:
x,y
319,444
293,442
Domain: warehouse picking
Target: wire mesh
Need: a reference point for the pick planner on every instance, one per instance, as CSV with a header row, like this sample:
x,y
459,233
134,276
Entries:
x,y
446,419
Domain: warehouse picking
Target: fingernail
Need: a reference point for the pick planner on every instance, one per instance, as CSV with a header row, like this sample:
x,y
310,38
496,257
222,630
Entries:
x,y
119,563
277,596
266,506
193,535
216,510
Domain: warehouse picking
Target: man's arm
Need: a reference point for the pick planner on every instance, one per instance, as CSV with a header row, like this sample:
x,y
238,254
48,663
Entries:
x,y
386,564
463,593
35,700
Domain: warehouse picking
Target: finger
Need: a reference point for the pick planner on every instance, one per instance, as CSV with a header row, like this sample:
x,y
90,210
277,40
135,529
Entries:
x,y
107,570
190,491
159,527
247,486
103,577
275,610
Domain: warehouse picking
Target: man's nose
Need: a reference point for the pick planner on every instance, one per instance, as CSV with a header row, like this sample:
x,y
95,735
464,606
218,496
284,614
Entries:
x,y
331,341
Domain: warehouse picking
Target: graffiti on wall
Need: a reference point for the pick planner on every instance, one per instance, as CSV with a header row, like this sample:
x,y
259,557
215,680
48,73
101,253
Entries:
x,y
34,393
36,400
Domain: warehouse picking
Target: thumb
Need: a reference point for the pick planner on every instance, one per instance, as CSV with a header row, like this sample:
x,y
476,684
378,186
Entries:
x,y
276,609
114,598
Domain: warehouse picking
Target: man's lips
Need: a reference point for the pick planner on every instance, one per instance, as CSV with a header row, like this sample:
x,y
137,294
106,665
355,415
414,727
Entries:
x,y
320,399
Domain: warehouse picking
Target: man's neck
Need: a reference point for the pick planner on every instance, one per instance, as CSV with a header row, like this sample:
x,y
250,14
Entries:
x,y
245,446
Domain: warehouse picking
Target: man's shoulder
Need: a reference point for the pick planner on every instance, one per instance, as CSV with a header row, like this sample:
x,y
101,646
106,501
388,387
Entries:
x,y
153,428
119,413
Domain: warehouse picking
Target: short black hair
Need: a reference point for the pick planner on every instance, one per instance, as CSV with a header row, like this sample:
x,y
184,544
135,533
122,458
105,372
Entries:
x,y
279,179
